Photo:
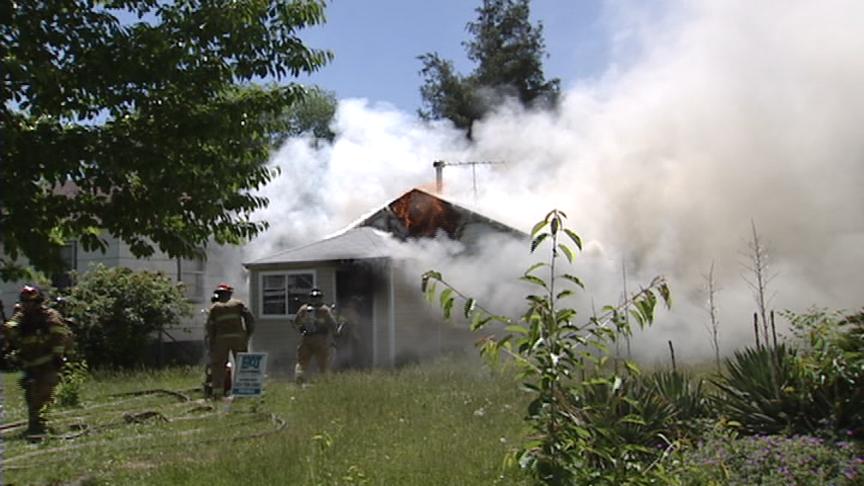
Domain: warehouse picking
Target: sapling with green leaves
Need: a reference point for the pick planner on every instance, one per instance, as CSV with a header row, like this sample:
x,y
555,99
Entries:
x,y
554,351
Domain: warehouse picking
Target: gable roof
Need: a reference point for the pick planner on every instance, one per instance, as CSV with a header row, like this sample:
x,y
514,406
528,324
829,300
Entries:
x,y
415,214
355,243
418,213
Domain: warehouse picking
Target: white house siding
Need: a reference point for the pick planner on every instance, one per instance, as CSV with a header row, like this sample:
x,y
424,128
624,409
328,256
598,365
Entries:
x,y
84,259
87,258
277,335
380,327
417,330
223,264
421,330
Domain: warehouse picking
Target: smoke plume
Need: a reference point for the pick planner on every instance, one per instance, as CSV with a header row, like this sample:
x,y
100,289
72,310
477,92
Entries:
x,y
710,117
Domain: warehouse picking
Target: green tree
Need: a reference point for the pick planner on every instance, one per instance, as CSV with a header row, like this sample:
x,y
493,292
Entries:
x,y
508,51
116,314
142,119
312,115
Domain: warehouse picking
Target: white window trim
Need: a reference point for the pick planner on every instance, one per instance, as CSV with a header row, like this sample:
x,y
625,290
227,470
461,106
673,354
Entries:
x,y
285,273
184,270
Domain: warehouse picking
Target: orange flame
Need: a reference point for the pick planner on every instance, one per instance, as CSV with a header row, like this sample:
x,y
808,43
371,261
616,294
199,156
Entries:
x,y
423,215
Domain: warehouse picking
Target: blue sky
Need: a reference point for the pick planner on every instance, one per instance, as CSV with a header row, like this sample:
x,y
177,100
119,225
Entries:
x,y
376,43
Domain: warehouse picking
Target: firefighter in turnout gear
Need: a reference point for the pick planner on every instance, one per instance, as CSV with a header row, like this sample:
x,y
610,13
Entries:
x,y
41,340
229,327
316,324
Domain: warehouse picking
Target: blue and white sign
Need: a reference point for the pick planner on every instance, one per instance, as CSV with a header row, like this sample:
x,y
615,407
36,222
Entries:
x,y
249,374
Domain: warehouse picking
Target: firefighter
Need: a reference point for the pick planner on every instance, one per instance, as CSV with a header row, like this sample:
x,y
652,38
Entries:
x,y
316,324
41,339
229,327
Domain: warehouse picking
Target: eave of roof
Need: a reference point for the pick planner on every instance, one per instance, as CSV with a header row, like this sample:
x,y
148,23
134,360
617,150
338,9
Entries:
x,y
355,243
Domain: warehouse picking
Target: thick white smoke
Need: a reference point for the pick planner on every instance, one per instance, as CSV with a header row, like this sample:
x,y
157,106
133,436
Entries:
x,y
713,115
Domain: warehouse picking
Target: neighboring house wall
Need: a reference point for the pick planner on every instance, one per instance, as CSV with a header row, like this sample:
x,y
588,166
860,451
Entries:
x,y
199,278
80,261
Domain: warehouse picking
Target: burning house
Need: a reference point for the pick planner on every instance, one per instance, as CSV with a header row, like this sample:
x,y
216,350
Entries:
x,y
368,281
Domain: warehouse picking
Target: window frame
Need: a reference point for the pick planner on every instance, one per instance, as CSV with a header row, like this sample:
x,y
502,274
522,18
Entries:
x,y
199,272
63,279
282,273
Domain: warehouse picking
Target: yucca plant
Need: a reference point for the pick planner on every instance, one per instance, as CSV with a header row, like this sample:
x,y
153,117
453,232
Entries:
x,y
764,391
686,395
631,418
628,419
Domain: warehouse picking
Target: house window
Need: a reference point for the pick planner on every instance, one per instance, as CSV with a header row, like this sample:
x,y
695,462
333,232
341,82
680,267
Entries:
x,y
283,293
191,274
69,256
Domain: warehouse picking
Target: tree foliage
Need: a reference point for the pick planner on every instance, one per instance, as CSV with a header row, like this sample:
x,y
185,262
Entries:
x,y
116,312
508,51
142,119
312,116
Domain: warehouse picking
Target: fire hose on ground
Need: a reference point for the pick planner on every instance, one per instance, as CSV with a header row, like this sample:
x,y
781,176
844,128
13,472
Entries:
x,y
79,427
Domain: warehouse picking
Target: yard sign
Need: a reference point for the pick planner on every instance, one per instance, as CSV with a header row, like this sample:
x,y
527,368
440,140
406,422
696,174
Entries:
x,y
249,377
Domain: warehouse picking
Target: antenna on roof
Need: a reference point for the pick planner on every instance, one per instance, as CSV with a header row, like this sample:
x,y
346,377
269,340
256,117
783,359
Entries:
x,y
439,172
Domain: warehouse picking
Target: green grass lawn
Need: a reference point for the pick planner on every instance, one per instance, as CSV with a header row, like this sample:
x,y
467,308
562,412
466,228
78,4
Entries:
x,y
447,423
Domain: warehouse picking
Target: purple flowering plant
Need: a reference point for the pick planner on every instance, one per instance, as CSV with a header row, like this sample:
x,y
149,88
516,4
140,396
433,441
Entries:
x,y
724,457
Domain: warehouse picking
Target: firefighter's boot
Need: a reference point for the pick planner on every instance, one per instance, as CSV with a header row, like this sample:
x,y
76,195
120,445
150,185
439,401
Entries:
x,y
299,374
208,383
35,427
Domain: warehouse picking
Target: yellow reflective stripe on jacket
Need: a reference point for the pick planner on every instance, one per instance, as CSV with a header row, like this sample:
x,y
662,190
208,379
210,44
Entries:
x,y
33,340
227,317
10,329
38,361
231,335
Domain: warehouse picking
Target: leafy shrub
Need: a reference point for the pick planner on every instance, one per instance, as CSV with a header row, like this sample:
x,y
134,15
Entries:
x,y
626,422
723,458
816,382
72,378
640,418
115,313
831,363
